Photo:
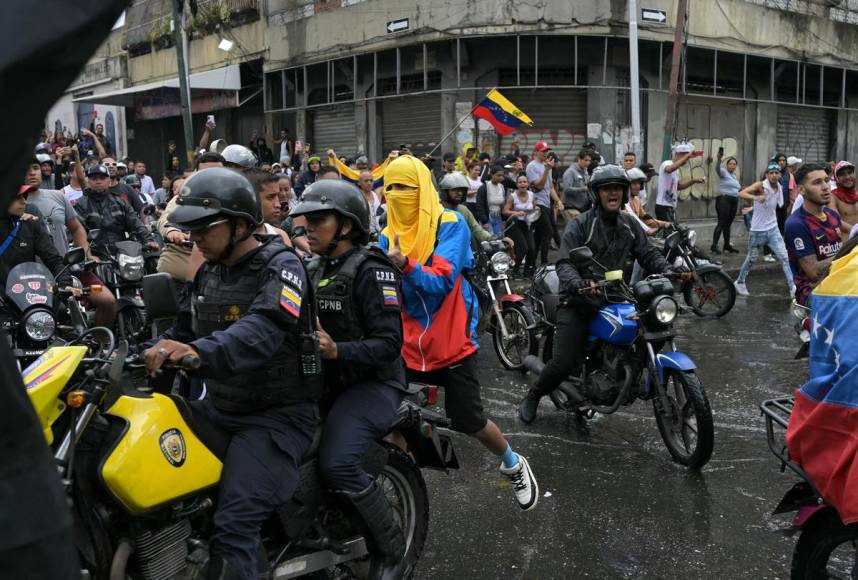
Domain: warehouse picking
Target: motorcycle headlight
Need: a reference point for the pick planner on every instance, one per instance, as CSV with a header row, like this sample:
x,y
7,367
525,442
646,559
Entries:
x,y
131,267
665,309
501,263
40,325
692,238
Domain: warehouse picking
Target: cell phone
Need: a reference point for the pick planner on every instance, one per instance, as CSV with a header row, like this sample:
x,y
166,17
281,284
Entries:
x,y
720,152
210,119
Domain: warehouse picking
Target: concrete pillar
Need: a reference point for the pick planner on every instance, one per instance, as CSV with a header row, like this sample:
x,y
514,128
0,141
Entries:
x,y
842,132
374,132
850,144
766,136
748,152
301,125
361,126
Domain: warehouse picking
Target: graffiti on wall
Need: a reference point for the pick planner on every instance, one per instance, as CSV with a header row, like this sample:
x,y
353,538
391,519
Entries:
x,y
564,142
704,166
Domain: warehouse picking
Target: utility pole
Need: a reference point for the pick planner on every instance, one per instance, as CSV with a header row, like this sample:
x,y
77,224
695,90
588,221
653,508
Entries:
x,y
670,120
634,77
184,88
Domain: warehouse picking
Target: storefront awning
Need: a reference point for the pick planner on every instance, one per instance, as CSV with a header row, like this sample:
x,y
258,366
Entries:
x,y
223,79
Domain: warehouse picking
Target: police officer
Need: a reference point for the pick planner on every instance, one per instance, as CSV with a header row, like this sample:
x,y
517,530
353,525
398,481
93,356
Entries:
x,y
115,219
614,237
360,338
250,322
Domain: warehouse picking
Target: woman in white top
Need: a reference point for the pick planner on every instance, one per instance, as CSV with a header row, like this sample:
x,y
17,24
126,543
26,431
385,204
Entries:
x,y
474,184
491,198
517,205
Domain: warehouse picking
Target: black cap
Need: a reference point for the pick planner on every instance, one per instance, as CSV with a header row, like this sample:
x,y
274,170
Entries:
x,y
449,157
97,169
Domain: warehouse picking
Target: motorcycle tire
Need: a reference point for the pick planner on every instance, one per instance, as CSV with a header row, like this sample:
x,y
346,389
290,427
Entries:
x,y
820,539
524,341
129,322
687,399
712,295
405,488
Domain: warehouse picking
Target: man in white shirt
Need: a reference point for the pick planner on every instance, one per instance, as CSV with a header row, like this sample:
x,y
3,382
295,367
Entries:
x,y
669,185
146,184
767,196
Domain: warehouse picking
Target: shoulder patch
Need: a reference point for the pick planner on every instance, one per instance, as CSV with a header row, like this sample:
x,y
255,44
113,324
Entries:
x,y
798,243
391,296
292,279
290,300
385,276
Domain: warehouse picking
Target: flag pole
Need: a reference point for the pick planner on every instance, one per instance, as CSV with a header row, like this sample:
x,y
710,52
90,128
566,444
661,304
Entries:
x,y
456,126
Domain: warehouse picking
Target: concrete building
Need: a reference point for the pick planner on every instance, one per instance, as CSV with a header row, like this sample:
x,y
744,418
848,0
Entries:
x,y
758,76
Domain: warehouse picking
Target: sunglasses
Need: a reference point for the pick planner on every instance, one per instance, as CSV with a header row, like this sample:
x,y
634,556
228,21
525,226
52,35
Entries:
x,y
111,164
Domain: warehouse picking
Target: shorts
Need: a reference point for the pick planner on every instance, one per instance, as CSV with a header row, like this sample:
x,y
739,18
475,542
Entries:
x,y
462,400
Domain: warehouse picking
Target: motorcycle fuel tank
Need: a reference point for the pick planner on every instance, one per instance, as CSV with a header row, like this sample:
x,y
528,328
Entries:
x,y
45,378
613,325
158,459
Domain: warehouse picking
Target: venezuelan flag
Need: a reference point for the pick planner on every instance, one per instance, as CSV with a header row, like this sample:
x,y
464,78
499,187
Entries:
x,y
823,429
501,113
353,175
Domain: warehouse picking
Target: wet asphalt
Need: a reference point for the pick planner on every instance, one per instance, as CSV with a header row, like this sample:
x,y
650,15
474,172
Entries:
x,y
612,502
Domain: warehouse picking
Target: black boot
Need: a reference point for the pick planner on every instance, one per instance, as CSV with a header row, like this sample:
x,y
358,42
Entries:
x,y
730,249
373,507
714,249
219,568
528,406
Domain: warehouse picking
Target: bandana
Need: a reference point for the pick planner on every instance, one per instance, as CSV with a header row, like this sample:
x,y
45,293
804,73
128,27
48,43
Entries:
x,y
847,196
412,214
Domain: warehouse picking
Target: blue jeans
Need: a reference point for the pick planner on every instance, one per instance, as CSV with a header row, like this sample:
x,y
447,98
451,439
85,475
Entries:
x,y
771,238
495,223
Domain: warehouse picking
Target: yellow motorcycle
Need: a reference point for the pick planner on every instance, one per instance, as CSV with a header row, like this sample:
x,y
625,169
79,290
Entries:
x,y
142,476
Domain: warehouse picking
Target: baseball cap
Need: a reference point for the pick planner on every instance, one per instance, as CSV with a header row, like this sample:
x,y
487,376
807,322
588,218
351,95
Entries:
x,y
541,146
773,167
27,189
794,161
449,157
683,147
98,169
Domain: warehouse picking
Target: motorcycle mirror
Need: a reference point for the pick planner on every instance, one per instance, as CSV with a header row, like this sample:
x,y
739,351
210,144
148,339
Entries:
x,y
580,256
92,235
74,256
159,296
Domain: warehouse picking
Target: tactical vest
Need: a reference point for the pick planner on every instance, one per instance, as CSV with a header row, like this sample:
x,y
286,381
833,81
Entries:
x,y
339,317
217,303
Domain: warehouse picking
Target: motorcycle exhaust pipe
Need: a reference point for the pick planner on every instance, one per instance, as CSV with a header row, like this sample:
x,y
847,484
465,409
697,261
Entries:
x,y
533,364
120,560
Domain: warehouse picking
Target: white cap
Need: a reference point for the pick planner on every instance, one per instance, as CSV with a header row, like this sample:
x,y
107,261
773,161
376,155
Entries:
x,y
683,147
793,161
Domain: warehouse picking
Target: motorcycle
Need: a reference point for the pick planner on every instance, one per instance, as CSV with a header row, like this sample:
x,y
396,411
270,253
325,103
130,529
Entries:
x,y
29,315
802,328
141,473
826,546
713,294
627,359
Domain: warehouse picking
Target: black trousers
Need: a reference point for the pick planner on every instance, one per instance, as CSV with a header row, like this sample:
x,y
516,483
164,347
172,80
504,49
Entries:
x,y
570,338
726,206
525,247
665,213
543,232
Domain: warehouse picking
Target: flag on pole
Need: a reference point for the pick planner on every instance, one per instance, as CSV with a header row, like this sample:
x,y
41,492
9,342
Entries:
x,y
352,175
500,113
823,429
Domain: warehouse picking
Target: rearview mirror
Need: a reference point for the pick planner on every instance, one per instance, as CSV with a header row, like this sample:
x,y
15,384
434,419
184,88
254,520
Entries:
x,y
92,235
159,296
580,256
74,256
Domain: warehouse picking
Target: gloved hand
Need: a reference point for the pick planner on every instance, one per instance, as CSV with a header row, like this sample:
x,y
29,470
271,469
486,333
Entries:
x,y
682,271
584,286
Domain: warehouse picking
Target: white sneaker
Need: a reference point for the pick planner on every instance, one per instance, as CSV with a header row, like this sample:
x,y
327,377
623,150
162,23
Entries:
x,y
526,488
792,290
741,289
769,258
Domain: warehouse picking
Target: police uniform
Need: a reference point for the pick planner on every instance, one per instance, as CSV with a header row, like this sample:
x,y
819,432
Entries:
x,y
246,320
357,295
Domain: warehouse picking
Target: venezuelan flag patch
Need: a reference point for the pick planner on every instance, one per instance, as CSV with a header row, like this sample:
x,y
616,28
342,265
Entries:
x,y
391,296
290,301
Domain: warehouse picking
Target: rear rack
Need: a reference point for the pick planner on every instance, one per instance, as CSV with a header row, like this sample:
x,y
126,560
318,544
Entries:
x,y
779,411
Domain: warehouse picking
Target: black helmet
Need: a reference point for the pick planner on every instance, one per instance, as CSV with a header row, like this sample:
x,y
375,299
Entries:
x,y
340,197
214,192
132,180
609,175
238,156
97,169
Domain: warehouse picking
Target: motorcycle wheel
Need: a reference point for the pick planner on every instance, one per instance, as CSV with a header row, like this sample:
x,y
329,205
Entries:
x,y
129,322
403,484
521,342
712,295
686,426
826,548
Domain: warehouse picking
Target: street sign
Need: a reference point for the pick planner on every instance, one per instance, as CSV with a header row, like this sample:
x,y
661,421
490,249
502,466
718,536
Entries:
x,y
397,25
652,15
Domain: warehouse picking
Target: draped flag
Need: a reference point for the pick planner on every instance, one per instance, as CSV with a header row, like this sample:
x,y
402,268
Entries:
x,y
500,113
823,429
353,175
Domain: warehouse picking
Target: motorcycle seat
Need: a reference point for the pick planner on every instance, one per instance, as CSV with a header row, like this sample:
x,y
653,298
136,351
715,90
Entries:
x,y
213,437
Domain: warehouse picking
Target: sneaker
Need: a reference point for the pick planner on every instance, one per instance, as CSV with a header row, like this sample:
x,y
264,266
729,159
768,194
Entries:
x,y
741,289
523,482
730,250
769,258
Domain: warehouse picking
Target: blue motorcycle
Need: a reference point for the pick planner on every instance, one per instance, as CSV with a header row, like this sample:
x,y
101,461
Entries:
x,y
631,354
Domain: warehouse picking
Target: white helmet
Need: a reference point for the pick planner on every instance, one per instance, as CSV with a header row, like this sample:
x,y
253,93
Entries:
x,y
635,174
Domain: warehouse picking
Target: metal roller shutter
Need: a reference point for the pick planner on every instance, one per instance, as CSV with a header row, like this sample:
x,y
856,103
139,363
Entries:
x,y
334,128
804,133
559,118
413,120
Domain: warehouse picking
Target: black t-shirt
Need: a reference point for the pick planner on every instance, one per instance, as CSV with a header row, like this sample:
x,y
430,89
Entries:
x,y
127,193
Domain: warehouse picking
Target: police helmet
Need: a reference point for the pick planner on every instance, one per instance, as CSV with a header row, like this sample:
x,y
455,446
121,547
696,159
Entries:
x,y
132,180
340,197
214,192
609,175
454,180
239,156
635,174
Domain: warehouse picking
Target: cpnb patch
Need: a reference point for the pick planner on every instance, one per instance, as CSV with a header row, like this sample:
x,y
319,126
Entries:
x,y
385,276
290,301
391,296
